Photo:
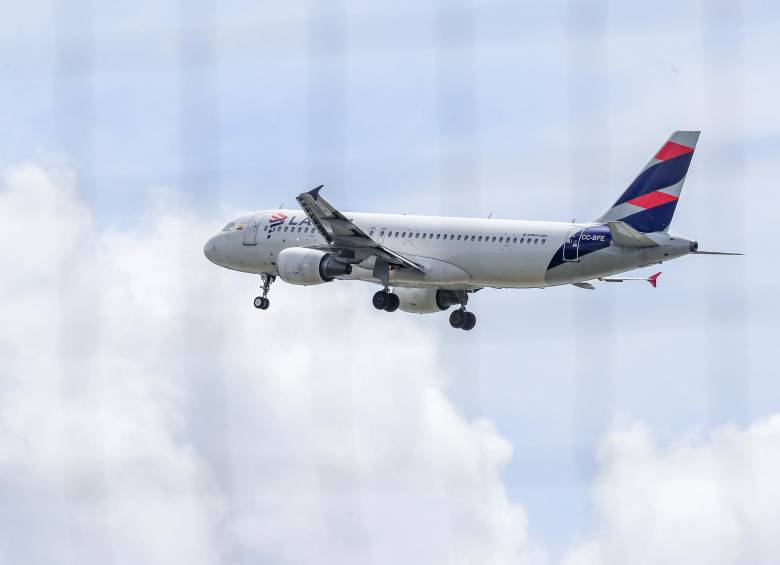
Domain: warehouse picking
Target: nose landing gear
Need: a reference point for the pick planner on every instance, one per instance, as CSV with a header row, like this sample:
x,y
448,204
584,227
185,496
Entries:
x,y
262,302
385,300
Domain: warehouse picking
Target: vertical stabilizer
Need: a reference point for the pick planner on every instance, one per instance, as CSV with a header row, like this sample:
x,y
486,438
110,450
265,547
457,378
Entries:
x,y
648,205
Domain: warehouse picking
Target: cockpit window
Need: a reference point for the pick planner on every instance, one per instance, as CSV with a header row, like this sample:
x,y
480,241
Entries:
x,y
229,227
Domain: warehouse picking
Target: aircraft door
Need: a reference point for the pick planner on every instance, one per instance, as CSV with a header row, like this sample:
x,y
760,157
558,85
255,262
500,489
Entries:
x,y
571,247
250,231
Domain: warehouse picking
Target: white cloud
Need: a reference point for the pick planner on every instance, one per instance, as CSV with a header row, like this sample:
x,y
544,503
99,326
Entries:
x,y
713,500
149,414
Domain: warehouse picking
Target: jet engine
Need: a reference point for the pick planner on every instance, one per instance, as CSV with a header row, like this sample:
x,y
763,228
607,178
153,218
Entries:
x,y
426,300
298,265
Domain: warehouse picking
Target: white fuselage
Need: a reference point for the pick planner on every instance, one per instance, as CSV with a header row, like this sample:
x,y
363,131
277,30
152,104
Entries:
x,y
457,253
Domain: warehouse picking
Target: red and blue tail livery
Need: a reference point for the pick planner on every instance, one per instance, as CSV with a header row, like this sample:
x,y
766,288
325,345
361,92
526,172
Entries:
x,y
649,202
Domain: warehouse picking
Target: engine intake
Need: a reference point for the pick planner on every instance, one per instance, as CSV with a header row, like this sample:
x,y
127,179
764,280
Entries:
x,y
298,265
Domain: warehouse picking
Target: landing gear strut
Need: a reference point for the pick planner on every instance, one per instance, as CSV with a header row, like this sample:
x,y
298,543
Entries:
x,y
462,318
262,302
385,300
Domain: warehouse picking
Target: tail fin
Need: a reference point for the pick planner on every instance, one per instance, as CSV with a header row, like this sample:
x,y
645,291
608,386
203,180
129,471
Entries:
x,y
649,203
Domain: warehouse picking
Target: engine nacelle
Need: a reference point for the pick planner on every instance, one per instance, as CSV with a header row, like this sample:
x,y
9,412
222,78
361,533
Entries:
x,y
298,265
426,300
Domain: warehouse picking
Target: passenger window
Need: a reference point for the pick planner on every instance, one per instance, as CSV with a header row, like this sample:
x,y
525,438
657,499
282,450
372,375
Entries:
x,y
472,238
544,241
458,238
300,230
479,238
536,241
396,234
403,234
285,228
382,233
500,239
494,238
438,235
529,241
452,236
514,240
265,228
522,240
416,236
424,235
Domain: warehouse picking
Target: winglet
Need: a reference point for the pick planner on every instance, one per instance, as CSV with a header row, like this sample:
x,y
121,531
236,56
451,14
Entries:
x,y
653,279
315,192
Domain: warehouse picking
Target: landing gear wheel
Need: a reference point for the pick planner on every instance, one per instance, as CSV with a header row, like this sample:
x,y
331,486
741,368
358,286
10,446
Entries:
x,y
393,303
458,318
381,300
262,303
470,322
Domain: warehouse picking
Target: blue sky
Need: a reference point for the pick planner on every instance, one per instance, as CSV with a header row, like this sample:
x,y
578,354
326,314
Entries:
x,y
527,110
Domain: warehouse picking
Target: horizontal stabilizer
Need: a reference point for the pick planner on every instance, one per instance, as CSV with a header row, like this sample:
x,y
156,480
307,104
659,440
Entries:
x,y
714,253
624,235
652,279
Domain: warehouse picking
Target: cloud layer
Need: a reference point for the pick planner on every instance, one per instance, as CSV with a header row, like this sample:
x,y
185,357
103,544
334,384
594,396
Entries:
x,y
710,500
150,414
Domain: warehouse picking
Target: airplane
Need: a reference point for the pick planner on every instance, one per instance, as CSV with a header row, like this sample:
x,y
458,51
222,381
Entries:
x,y
428,264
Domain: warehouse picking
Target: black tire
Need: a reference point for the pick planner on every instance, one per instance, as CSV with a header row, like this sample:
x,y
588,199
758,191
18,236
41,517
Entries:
x,y
471,321
265,304
380,300
393,303
259,302
457,318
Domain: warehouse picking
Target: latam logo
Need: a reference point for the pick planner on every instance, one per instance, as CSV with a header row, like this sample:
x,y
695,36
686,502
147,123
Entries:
x,y
275,221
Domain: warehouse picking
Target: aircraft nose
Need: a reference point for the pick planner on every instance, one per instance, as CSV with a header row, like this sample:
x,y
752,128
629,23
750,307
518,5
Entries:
x,y
210,250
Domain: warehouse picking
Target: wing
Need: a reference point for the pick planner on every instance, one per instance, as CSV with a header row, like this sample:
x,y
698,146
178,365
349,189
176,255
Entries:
x,y
342,234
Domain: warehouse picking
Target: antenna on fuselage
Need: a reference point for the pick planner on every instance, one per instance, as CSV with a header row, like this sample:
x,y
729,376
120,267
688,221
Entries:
x,y
281,206
490,216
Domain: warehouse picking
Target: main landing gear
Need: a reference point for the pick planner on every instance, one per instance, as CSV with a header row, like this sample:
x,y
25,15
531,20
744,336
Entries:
x,y
461,318
262,302
386,300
